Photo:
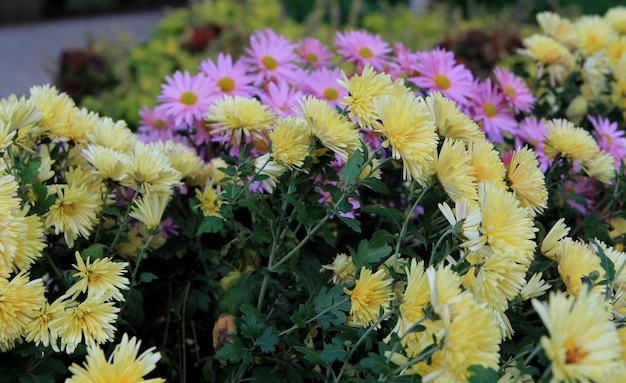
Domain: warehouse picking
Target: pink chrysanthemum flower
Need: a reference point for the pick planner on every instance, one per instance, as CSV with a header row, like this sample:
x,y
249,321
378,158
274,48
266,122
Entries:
x,y
610,138
155,125
437,70
186,98
404,62
489,110
231,77
281,97
271,56
322,83
515,91
583,187
313,52
361,47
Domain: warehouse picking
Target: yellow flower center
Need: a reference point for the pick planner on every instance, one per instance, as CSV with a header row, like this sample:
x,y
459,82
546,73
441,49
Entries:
x,y
331,94
93,277
509,90
311,57
188,98
68,208
490,110
366,53
442,81
574,353
227,84
159,123
269,62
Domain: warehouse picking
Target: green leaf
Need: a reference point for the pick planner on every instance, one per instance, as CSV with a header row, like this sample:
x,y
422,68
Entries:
x,y
482,374
372,252
252,324
94,251
351,223
386,213
352,168
376,185
210,224
375,363
333,352
268,340
310,355
30,171
407,379
606,262
44,201
331,305
147,277
305,312
234,351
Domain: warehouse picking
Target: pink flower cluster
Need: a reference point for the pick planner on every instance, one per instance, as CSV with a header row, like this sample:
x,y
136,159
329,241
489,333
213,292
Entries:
x,y
279,72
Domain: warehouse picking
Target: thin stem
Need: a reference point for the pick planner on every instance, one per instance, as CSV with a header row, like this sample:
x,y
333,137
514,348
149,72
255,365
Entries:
x,y
290,329
439,241
361,339
417,359
407,217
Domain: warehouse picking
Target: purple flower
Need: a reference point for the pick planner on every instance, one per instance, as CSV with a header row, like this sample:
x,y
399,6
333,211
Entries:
x,y
360,48
186,98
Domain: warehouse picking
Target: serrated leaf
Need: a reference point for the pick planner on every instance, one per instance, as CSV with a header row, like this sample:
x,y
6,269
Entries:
x,y
233,351
352,168
94,251
375,364
331,305
305,312
268,340
606,262
210,224
482,374
310,355
376,185
367,253
386,213
251,322
333,352
351,223
147,277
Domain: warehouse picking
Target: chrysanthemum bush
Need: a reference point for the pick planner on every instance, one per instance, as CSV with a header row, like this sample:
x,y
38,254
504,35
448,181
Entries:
x,y
361,212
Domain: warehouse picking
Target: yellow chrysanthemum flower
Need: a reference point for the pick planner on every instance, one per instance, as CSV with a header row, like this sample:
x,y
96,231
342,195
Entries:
x,y
20,300
569,141
594,33
362,90
236,117
616,49
151,171
468,339
265,165
582,343
186,160
617,228
468,211
534,287
558,28
18,116
343,268
551,244
601,167
83,122
113,134
551,56
74,212
371,293
486,161
290,141
214,172
527,181
57,110
454,171
405,123
108,163
102,277
91,322
149,209
576,262
125,364
209,198
450,121
39,330
30,239
506,225
617,17
618,89
495,280
333,130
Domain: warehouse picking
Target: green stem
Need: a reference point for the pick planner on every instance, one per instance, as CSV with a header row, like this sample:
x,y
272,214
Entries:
x,y
417,359
407,217
294,327
439,241
361,339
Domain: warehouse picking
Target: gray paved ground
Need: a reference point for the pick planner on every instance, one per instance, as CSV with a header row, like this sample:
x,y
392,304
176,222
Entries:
x,y
29,52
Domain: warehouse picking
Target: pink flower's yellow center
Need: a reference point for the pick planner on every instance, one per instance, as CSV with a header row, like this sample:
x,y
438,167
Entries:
x,y
311,57
188,98
490,110
269,62
608,138
366,53
159,123
226,84
442,81
574,353
509,89
331,94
